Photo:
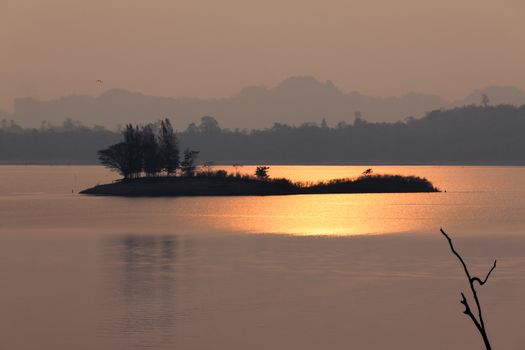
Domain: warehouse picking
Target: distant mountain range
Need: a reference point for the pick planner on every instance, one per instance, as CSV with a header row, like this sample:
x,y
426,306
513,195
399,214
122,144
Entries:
x,y
295,100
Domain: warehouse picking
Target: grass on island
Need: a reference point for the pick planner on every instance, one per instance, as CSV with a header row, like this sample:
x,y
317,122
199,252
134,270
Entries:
x,y
221,183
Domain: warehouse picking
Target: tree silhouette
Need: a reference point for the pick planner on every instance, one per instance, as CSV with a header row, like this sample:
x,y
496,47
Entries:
x,y
261,172
149,150
125,157
188,164
134,153
169,148
478,321
207,167
116,158
152,162
485,100
324,124
209,125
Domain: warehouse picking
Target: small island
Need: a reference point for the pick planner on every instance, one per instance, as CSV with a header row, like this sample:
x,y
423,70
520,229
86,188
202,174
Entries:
x,y
219,183
148,160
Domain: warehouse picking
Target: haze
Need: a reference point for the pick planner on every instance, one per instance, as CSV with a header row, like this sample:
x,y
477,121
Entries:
x,y
214,48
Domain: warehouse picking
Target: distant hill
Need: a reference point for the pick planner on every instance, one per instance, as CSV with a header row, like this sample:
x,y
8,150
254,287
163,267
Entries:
x,y
497,95
294,101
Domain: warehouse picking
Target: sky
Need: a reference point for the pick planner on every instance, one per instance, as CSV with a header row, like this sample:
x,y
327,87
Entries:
x,y
210,48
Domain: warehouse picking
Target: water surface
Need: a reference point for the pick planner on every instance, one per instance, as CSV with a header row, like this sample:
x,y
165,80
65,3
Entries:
x,y
477,200
351,271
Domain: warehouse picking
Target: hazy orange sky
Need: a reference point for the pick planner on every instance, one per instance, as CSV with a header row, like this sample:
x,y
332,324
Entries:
x,y
213,48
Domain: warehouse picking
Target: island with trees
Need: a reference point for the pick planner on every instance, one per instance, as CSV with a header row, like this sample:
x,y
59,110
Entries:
x,y
148,159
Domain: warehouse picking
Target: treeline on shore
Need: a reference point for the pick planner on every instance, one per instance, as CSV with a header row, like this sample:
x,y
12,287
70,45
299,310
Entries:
x,y
466,135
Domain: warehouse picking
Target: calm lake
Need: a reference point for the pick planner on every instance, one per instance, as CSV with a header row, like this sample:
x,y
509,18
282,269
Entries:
x,y
345,271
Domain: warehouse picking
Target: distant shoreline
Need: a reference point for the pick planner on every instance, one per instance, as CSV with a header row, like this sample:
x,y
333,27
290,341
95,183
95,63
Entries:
x,y
232,185
225,164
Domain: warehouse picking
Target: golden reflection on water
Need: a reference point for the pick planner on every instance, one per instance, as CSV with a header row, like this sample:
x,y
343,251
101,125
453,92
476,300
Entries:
x,y
339,214
476,200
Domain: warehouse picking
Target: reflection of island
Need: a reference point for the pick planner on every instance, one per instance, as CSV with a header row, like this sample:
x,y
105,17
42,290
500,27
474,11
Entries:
x,y
142,274
221,184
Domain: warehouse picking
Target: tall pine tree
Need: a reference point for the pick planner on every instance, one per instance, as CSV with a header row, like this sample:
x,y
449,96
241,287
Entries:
x,y
168,148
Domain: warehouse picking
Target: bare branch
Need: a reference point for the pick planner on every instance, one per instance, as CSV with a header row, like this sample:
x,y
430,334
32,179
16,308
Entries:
x,y
456,254
476,279
478,322
468,311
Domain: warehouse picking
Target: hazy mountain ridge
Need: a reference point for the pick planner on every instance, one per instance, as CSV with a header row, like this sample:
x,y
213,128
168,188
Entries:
x,y
294,101
497,95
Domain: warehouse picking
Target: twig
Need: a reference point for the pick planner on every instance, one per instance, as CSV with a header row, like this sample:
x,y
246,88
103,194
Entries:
x,y
478,322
